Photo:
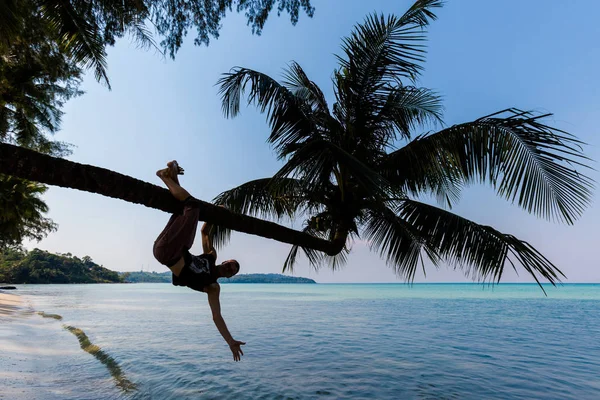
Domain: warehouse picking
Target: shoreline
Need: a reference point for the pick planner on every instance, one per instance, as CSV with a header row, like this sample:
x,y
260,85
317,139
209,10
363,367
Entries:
x,y
10,304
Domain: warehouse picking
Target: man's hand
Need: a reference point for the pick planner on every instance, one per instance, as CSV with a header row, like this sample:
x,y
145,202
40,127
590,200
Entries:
x,y
236,349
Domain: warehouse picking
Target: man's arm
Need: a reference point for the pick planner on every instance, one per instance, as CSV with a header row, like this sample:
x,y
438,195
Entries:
x,y
213,292
207,244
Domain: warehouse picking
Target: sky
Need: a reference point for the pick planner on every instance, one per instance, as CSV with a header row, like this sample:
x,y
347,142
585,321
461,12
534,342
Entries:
x,y
483,57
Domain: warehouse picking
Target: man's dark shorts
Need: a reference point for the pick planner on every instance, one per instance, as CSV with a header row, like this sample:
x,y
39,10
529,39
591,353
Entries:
x,y
179,234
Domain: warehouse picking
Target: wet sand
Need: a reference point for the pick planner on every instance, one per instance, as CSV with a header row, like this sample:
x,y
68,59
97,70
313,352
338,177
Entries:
x,y
9,304
42,358
32,350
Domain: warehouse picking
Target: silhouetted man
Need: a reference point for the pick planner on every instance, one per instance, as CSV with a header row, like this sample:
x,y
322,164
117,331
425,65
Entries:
x,y
200,273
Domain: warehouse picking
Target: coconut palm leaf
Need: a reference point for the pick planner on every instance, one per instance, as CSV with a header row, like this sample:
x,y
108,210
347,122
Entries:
x,y
297,82
25,130
9,20
220,236
480,250
398,241
418,168
382,50
288,115
80,36
316,258
377,55
404,109
5,118
317,160
21,211
525,161
265,198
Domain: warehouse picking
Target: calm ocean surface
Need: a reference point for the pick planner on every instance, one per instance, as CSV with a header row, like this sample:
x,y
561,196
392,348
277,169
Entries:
x,y
363,341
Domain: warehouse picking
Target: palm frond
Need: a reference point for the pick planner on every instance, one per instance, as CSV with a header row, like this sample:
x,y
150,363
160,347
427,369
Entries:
x,y
383,49
418,168
10,21
80,37
6,116
480,250
297,82
403,109
397,241
316,160
220,236
25,129
265,198
315,258
525,160
312,255
288,115
143,37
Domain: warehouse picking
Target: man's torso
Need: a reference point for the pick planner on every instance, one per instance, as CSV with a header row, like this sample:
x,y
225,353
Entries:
x,y
198,271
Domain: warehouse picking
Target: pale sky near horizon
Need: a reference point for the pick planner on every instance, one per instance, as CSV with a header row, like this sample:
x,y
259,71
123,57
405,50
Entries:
x,y
482,57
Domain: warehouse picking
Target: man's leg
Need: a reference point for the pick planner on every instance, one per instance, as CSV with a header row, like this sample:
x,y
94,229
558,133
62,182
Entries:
x,y
180,231
169,177
170,173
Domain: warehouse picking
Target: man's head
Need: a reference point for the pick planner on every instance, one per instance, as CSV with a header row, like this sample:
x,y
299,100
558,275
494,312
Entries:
x,y
229,268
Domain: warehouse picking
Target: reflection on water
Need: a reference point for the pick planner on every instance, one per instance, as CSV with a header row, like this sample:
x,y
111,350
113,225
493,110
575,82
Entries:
x,y
53,316
113,367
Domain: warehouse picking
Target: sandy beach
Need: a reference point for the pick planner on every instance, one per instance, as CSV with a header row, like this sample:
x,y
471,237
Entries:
x,y
9,304
31,348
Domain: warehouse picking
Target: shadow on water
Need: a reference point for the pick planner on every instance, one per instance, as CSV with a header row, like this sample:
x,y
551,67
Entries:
x,y
111,364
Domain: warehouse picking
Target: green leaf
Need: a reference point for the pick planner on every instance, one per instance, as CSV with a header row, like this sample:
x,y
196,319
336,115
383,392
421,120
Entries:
x,y
297,82
383,49
398,241
79,36
525,161
315,258
480,250
316,160
265,198
288,115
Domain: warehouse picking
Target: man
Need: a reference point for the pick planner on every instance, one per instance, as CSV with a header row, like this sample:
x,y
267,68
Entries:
x,y
200,273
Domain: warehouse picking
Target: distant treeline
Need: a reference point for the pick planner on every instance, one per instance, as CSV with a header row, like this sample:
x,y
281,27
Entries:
x,y
165,277
18,266
146,277
38,266
266,278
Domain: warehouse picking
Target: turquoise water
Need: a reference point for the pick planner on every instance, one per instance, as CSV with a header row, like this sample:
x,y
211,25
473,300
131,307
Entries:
x,y
382,341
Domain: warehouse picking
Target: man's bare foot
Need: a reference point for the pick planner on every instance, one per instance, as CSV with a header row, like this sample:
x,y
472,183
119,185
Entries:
x,y
163,173
175,168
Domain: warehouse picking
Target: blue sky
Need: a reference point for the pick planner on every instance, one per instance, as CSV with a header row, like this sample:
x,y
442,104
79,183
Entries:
x,y
483,57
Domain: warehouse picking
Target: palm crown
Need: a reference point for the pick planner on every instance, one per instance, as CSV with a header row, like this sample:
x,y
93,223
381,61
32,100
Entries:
x,y
343,169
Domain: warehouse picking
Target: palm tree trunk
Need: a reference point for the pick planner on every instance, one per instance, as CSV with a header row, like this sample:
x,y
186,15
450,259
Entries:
x,y
38,167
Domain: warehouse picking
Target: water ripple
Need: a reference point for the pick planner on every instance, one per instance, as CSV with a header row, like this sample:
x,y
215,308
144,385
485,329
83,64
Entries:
x,y
334,341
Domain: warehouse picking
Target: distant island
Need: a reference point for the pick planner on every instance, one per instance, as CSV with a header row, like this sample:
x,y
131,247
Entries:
x,y
165,277
18,266
266,278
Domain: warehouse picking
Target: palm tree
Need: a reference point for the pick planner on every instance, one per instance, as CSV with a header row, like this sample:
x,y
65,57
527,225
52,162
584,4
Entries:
x,y
38,167
346,172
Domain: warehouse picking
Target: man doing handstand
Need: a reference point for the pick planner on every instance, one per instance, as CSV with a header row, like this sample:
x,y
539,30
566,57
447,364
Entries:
x,y
200,273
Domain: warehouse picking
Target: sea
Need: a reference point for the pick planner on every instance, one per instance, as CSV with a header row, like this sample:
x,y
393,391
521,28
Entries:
x,y
303,341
